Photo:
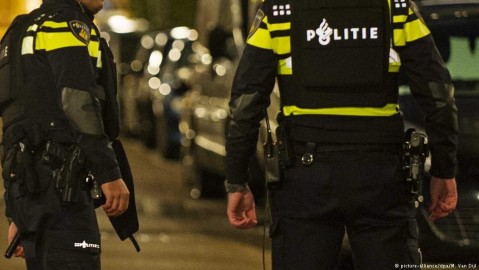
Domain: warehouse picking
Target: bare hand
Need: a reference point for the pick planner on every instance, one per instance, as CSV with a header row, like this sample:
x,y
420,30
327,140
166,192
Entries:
x,y
443,197
12,230
117,197
241,210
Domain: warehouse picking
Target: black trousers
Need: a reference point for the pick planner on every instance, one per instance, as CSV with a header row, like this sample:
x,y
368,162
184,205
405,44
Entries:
x,y
68,237
361,193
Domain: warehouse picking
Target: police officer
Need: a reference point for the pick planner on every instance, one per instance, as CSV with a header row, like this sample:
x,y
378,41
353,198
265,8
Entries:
x,y
67,98
336,64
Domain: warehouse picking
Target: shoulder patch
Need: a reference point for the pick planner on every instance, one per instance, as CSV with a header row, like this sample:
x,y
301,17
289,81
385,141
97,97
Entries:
x,y
257,22
81,31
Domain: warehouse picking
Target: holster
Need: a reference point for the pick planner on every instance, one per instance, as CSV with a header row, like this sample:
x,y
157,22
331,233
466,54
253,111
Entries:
x,y
67,164
278,155
415,152
25,198
272,163
286,146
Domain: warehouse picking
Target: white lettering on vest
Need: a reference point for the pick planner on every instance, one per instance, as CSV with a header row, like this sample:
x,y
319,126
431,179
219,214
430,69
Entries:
x,y
310,34
324,33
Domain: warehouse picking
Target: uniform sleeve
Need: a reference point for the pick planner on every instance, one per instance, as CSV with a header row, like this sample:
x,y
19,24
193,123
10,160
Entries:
x,y
252,86
432,87
72,50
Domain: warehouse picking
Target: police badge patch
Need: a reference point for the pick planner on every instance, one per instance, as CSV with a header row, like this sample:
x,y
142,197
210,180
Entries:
x,y
81,31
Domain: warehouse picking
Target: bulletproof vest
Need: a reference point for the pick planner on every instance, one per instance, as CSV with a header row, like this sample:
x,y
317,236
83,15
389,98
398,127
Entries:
x,y
340,53
10,64
11,73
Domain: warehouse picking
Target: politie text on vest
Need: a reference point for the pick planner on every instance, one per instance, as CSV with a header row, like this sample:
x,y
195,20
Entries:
x,y
324,33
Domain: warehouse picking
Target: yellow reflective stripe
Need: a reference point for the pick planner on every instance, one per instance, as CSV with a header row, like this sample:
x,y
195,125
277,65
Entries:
x,y
394,67
53,41
27,45
285,67
32,28
399,18
94,48
394,61
279,26
388,110
282,45
415,30
53,24
99,63
399,37
261,39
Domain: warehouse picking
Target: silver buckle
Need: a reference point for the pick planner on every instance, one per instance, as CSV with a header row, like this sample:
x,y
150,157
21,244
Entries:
x,y
307,159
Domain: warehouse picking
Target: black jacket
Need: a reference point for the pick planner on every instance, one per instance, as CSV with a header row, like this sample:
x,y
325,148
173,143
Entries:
x,y
267,59
68,84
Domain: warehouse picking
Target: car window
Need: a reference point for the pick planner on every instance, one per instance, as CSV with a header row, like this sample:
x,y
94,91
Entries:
x,y
463,62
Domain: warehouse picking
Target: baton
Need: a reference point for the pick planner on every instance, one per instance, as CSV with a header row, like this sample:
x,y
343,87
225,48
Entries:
x,y
13,246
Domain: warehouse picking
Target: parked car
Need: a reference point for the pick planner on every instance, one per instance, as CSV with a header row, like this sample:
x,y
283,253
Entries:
x,y
137,110
161,71
204,119
205,122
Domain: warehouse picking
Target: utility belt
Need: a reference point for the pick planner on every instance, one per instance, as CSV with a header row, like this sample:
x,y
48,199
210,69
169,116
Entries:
x,y
69,171
66,161
292,151
287,152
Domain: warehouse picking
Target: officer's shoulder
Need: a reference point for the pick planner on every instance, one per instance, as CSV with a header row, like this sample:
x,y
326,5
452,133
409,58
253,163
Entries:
x,y
65,14
277,10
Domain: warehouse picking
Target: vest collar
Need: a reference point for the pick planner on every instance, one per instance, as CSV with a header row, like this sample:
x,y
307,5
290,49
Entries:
x,y
70,3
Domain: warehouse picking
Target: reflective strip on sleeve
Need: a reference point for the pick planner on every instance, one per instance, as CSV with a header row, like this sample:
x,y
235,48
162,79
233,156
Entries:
x,y
27,45
32,28
394,61
415,30
399,18
399,37
285,66
261,39
279,26
388,110
54,41
282,45
94,49
99,63
52,24
411,31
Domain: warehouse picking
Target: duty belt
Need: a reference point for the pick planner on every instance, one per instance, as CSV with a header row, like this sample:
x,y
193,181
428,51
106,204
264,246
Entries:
x,y
306,151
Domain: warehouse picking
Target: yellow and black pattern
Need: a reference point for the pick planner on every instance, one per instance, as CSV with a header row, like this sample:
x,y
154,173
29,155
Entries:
x,y
317,115
407,24
54,35
407,27
274,33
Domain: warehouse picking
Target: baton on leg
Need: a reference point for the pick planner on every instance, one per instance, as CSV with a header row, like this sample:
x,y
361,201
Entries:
x,y
13,246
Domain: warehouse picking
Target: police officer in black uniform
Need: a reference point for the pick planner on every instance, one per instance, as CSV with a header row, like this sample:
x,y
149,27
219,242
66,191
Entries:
x,y
336,64
63,108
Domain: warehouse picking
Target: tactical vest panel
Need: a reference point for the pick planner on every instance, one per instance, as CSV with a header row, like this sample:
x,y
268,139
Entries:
x,y
12,85
340,49
9,61
4,70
